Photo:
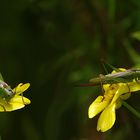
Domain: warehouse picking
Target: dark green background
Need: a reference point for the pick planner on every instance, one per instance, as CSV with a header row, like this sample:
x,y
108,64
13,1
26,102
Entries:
x,y
56,44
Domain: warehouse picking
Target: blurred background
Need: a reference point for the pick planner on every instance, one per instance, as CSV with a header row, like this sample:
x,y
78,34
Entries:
x,y
56,44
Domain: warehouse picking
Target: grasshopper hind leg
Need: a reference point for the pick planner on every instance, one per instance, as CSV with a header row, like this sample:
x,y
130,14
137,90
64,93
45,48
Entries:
x,y
101,84
22,99
3,107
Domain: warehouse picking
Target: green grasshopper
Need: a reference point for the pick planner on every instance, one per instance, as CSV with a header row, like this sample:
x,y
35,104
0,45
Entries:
x,y
5,90
12,99
118,77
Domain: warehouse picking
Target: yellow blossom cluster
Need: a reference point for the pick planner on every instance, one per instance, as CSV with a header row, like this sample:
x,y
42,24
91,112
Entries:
x,y
112,99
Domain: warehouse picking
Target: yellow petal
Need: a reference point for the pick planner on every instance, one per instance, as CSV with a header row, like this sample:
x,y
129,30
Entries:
x,y
125,88
120,69
118,104
7,106
134,86
2,109
106,86
3,105
15,103
21,88
125,96
129,87
106,119
15,106
97,106
121,90
20,99
111,90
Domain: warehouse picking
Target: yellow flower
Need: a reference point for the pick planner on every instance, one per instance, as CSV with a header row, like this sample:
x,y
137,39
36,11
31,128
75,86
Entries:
x,y
109,102
16,101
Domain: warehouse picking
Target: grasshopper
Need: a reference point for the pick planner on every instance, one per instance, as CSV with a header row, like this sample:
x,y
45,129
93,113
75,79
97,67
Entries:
x,y
5,90
118,77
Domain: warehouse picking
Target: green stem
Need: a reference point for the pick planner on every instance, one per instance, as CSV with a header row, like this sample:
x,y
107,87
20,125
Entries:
x,y
130,108
111,10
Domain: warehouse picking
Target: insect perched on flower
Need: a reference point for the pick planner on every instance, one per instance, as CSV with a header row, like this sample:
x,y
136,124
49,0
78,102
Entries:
x,y
114,94
12,99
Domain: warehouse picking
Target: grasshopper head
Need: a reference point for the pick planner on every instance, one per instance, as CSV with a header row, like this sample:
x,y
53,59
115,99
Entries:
x,y
6,89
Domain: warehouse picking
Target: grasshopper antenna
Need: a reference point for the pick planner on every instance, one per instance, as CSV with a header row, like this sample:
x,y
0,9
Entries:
x,y
3,107
103,65
101,84
109,65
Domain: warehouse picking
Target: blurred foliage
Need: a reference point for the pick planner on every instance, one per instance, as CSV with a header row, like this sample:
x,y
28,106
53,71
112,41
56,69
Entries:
x,y
55,44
